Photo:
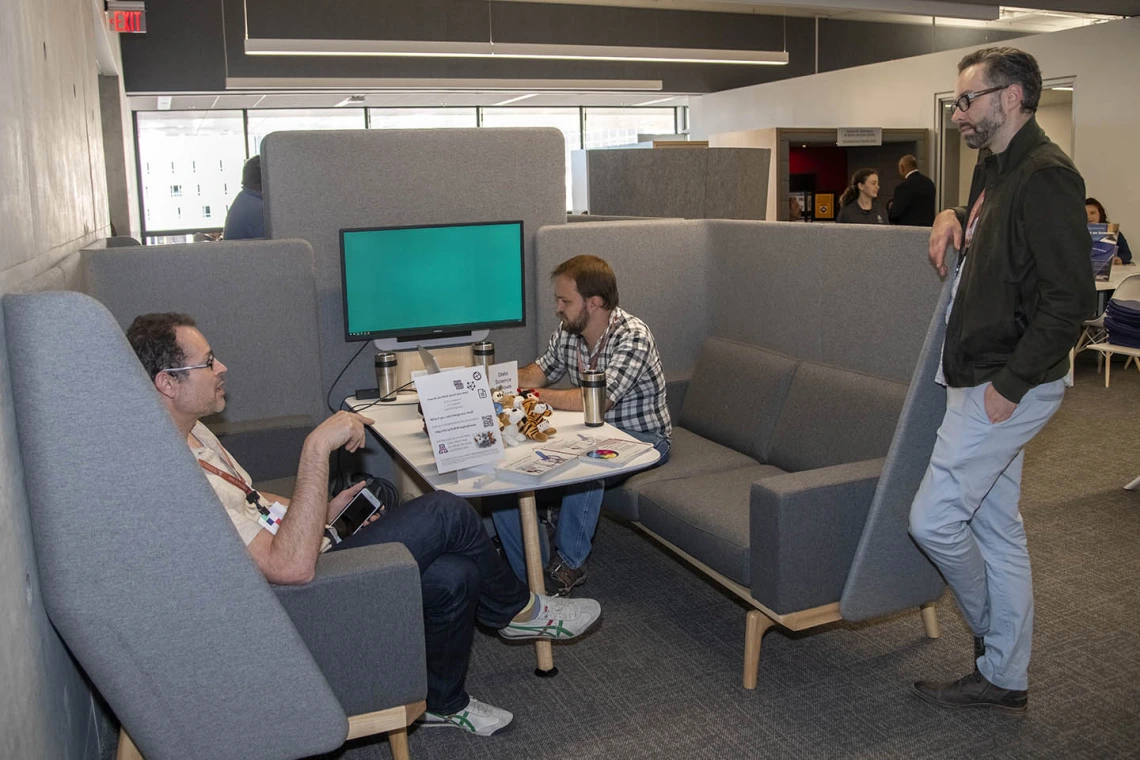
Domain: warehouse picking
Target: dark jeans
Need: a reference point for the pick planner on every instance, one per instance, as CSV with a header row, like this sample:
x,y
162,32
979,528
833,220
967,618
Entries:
x,y
463,580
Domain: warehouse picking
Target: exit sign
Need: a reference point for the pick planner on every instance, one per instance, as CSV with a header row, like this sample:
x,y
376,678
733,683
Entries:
x,y
126,17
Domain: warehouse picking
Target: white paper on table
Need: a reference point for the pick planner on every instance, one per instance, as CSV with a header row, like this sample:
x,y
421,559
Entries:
x,y
461,420
505,376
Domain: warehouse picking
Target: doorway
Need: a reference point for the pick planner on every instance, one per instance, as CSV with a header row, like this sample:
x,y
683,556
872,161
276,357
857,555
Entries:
x,y
813,171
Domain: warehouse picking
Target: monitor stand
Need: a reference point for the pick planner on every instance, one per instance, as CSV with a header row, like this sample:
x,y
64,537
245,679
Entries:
x,y
431,340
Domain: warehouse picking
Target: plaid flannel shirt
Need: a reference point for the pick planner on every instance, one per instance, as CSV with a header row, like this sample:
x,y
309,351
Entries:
x,y
635,381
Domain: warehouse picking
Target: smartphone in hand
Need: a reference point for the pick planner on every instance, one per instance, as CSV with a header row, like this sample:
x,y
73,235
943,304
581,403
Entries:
x,y
355,514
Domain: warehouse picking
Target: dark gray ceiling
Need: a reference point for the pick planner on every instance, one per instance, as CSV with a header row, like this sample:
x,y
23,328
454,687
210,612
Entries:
x,y
195,46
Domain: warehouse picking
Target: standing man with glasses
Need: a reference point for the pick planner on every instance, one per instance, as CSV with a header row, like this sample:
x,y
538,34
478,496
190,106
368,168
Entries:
x,y
1023,285
594,333
462,577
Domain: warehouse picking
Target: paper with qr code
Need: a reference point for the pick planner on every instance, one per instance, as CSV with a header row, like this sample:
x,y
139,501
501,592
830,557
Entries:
x,y
461,419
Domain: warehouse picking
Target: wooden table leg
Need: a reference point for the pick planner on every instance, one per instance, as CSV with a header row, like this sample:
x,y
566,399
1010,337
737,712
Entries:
x,y
532,550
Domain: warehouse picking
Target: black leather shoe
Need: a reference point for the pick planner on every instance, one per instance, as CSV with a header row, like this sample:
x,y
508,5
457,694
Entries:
x,y
979,647
972,691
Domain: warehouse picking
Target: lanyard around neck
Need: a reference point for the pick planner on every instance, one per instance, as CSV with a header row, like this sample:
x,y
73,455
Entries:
x,y
593,356
251,494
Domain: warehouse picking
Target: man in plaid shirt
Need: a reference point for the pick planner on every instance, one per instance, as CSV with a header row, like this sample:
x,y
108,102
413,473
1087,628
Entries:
x,y
594,334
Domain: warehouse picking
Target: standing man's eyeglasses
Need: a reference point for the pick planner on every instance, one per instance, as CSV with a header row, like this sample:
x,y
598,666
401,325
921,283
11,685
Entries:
x,y
208,364
966,98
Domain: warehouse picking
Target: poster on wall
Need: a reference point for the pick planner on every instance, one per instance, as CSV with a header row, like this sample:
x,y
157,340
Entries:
x,y
825,206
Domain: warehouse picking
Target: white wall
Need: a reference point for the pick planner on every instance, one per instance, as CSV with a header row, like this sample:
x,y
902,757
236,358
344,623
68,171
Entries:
x,y
1057,121
52,201
1104,60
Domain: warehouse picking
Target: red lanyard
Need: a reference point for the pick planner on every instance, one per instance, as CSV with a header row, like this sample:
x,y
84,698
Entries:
x,y
251,495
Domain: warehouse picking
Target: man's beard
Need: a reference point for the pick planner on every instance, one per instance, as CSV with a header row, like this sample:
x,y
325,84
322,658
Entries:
x,y
985,129
576,327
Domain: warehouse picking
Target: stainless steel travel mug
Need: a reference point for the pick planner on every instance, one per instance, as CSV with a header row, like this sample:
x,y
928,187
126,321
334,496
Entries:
x,y
594,397
484,352
386,375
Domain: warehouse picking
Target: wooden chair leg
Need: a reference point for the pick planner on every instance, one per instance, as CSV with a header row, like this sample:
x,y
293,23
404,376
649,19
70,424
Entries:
x,y
1107,367
754,630
398,739
930,620
127,748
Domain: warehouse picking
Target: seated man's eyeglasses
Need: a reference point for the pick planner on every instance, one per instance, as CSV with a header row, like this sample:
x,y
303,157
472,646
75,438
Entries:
x,y
966,98
208,364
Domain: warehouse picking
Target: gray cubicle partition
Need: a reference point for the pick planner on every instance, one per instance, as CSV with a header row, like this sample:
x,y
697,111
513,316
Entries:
x,y
255,302
687,182
317,183
857,297
662,274
854,297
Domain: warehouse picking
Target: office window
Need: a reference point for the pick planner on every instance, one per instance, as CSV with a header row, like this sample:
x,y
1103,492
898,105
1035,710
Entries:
x,y
184,139
421,118
176,191
262,122
564,119
205,212
607,127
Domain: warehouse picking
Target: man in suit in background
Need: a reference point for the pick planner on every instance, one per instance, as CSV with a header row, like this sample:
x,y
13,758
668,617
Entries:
x,y
913,204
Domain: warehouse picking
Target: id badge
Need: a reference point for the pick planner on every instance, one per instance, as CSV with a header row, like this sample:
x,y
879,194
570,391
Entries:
x,y
272,520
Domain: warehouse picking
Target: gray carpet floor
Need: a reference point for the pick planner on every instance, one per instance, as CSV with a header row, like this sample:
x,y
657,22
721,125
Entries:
x,y
660,675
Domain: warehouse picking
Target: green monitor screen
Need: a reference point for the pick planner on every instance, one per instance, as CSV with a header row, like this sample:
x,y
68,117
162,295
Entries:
x,y
432,281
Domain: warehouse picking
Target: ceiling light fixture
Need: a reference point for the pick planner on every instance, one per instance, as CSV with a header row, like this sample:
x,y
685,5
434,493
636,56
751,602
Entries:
x,y
351,84
427,49
516,99
655,102
351,100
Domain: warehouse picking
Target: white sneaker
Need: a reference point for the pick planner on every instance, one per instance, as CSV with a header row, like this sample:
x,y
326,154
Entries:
x,y
559,618
477,718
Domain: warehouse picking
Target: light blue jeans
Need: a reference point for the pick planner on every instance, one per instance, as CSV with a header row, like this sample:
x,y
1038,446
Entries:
x,y
577,521
965,517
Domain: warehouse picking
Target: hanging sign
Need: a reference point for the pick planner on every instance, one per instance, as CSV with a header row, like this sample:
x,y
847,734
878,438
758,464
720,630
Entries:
x,y
126,17
850,136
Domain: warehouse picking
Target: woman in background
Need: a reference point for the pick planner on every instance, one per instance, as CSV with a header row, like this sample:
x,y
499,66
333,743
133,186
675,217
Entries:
x,y
858,204
1096,215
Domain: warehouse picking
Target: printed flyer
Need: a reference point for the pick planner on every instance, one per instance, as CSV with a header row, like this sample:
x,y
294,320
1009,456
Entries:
x,y
460,418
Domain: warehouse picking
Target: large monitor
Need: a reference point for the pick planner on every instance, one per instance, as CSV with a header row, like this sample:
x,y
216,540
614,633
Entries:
x,y
422,282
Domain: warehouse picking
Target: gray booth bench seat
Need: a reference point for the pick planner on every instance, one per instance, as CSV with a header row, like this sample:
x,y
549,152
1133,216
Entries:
x,y
774,465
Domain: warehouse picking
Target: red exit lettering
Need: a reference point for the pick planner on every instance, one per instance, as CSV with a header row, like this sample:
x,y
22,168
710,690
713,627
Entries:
x,y
125,21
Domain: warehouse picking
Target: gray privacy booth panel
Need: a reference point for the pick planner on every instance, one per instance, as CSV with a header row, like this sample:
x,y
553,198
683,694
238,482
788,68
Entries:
x,y
662,275
254,300
886,548
317,183
689,182
854,297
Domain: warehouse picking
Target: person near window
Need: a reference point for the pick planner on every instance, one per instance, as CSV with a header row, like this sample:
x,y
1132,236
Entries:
x,y
246,217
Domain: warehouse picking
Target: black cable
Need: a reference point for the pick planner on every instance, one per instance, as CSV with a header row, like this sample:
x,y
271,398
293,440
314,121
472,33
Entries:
x,y
380,400
328,396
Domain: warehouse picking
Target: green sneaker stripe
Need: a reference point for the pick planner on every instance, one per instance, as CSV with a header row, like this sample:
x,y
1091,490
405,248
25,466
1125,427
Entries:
x,y
557,629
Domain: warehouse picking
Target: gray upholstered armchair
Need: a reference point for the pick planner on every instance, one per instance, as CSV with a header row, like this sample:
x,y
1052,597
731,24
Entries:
x,y
151,589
